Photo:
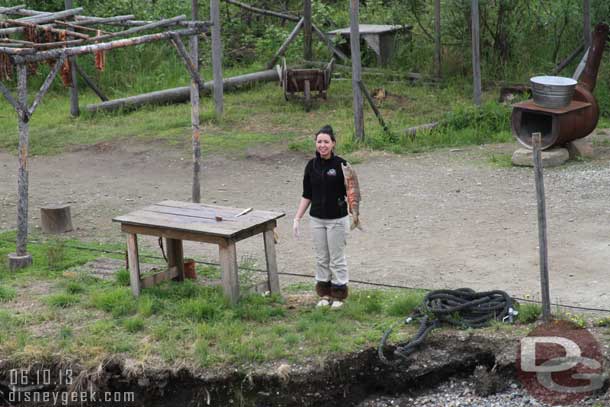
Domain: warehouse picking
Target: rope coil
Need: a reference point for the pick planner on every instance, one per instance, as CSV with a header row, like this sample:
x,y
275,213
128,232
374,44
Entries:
x,y
462,307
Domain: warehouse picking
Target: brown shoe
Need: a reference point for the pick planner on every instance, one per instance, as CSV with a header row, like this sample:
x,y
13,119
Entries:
x,y
323,288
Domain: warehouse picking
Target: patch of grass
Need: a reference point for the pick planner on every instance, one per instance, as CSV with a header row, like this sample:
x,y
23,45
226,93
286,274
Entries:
x,y
117,301
147,306
201,309
259,308
501,160
529,313
62,300
299,287
7,293
56,254
133,325
122,278
74,287
404,303
603,322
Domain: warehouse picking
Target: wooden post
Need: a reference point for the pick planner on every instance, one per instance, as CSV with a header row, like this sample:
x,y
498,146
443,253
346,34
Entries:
x,y
217,57
196,190
542,241
286,43
356,70
56,219
74,110
134,263
476,54
586,8
22,181
437,38
307,30
175,256
273,279
228,265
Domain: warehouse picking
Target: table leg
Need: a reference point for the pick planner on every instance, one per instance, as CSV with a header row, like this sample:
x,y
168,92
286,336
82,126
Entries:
x,y
175,256
134,263
228,264
274,281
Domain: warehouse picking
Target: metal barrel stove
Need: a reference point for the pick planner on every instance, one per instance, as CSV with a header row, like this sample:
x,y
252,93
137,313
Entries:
x,y
562,125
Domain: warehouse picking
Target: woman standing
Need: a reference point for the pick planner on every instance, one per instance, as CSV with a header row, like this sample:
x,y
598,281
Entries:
x,y
324,190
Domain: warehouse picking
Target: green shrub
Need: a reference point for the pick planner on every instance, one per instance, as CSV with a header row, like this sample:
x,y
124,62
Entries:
x,y
529,313
133,325
122,278
7,293
62,300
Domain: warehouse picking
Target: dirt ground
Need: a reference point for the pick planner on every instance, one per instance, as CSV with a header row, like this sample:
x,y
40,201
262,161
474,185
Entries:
x,y
444,219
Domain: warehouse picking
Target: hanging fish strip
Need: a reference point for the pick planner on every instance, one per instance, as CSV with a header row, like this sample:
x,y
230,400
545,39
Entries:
x,y
31,34
100,57
66,73
6,68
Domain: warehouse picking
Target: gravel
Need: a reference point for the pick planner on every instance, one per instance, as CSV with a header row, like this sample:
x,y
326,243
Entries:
x,y
461,393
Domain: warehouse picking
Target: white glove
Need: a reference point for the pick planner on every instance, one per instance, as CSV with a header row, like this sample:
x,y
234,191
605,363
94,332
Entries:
x,y
296,229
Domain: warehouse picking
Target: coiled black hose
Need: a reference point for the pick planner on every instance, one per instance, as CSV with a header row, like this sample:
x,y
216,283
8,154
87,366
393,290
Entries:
x,y
462,307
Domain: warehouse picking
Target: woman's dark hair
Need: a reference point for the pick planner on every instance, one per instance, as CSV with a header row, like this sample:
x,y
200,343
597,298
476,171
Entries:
x,y
327,130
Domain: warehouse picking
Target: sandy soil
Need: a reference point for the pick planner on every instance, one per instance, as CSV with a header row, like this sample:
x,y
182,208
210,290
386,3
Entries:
x,y
444,219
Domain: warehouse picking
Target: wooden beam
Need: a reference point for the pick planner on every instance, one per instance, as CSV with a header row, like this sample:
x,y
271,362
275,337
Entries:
x,y
90,48
228,265
286,43
188,62
155,24
19,108
46,85
182,94
103,20
46,18
11,10
195,124
568,59
74,109
329,43
90,83
356,70
307,50
476,53
217,58
271,260
437,38
262,11
369,98
48,27
133,260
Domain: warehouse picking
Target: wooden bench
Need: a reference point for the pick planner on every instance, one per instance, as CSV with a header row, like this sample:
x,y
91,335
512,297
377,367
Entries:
x,y
177,221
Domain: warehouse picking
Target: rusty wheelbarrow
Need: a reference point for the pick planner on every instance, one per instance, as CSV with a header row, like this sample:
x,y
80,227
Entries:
x,y
305,80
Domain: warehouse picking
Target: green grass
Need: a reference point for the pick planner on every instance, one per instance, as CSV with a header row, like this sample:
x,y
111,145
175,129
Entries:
x,y
62,300
261,117
529,313
7,293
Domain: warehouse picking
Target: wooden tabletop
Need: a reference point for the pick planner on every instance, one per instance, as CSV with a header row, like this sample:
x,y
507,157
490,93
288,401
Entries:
x,y
198,218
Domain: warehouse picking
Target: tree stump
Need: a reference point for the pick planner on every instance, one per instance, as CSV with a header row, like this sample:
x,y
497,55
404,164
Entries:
x,y
56,219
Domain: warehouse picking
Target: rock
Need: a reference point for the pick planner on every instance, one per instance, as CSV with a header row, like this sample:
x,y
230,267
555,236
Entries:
x,y
550,158
581,148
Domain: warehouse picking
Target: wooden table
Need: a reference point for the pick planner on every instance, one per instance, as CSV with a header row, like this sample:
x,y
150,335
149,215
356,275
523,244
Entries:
x,y
177,221
380,38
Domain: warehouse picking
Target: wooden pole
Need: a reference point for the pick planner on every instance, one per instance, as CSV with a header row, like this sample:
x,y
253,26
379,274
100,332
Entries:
x,y
217,57
356,70
369,98
196,189
22,180
437,38
74,110
329,43
286,43
307,29
542,241
586,8
90,83
262,11
476,54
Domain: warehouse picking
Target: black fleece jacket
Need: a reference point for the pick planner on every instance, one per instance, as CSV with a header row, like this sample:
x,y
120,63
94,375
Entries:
x,y
324,185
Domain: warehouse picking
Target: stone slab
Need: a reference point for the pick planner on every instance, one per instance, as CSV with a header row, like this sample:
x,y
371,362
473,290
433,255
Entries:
x,y
552,157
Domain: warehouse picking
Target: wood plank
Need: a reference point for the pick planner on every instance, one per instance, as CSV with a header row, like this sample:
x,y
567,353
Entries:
x,y
171,233
476,53
134,263
154,279
274,281
174,222
175,257
244,234
231,210
228,264
250,218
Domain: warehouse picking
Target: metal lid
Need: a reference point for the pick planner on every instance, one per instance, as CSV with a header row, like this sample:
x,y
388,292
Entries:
x,y
553,80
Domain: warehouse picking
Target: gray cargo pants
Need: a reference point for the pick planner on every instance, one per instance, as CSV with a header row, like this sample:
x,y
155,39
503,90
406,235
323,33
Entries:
x,y
329,239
